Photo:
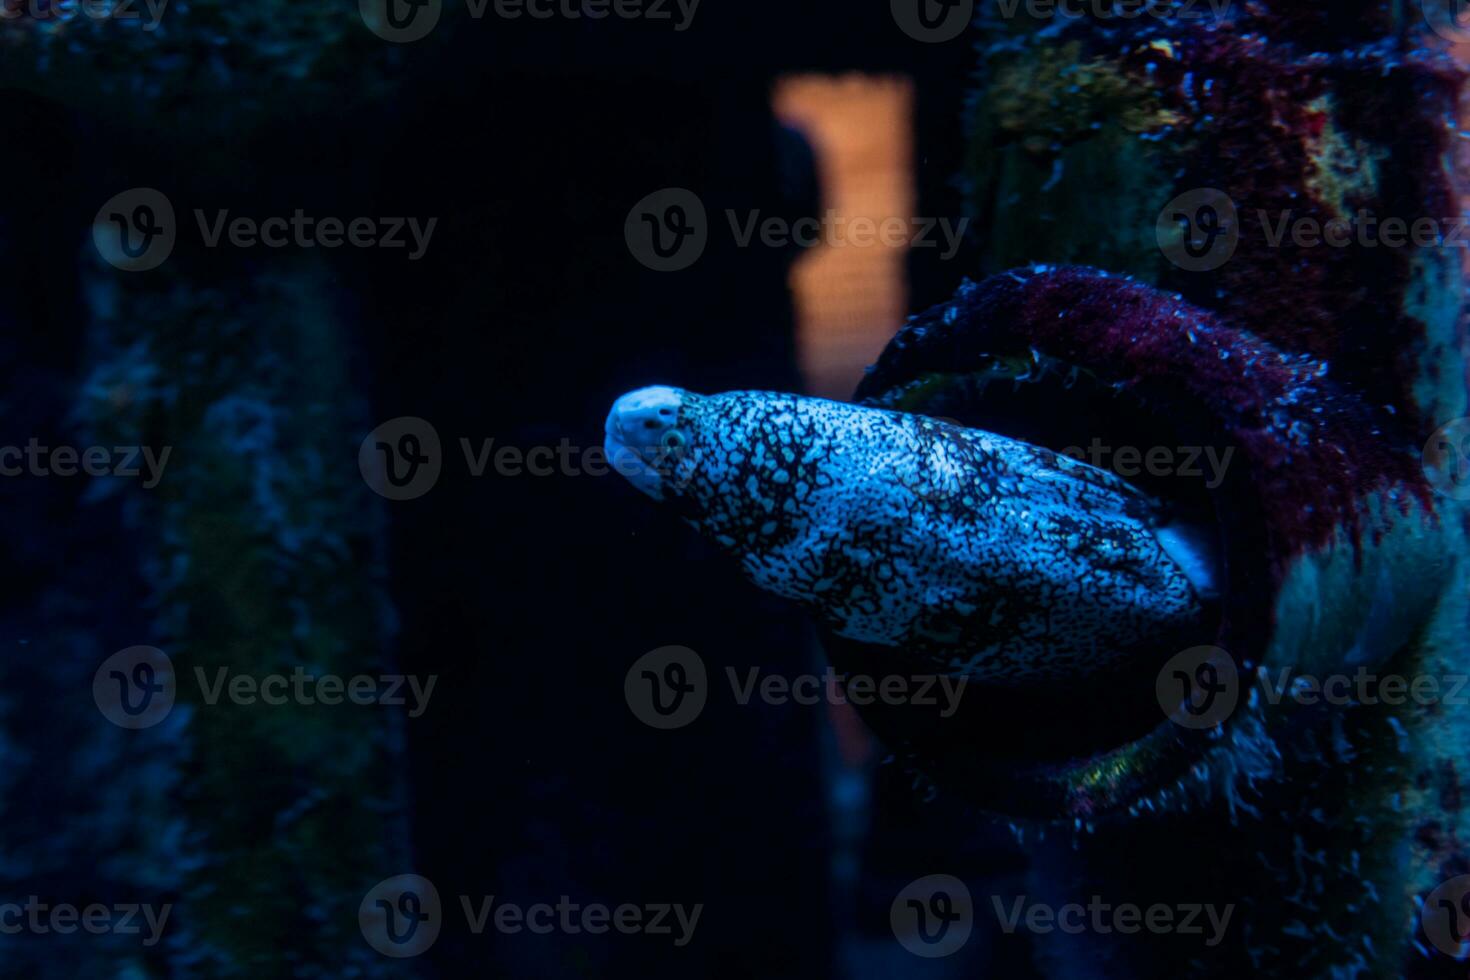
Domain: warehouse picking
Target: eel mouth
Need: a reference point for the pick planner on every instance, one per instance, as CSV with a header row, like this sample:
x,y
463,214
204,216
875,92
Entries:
x,y
1014,747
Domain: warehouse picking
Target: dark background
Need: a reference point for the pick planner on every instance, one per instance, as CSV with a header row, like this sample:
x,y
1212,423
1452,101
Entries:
x,y
529,598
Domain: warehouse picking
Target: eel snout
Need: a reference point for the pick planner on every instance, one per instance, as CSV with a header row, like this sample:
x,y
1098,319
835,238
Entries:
x,y
642,433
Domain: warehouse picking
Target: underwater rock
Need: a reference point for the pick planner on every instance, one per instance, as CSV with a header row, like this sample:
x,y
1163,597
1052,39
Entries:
x,y
1337,556
1080,136
261,560
1327,366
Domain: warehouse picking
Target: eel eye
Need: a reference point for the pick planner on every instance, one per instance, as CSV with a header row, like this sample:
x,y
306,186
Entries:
x,y
673,440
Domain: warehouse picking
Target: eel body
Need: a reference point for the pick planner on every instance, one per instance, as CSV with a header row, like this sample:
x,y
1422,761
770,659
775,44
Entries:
x,y
979,555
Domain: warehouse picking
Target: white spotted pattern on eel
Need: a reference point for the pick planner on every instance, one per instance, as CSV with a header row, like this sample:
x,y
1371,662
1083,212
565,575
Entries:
x,y
986,556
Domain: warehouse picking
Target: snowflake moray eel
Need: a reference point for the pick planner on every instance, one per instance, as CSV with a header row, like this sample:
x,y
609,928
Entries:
x,y
988,557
